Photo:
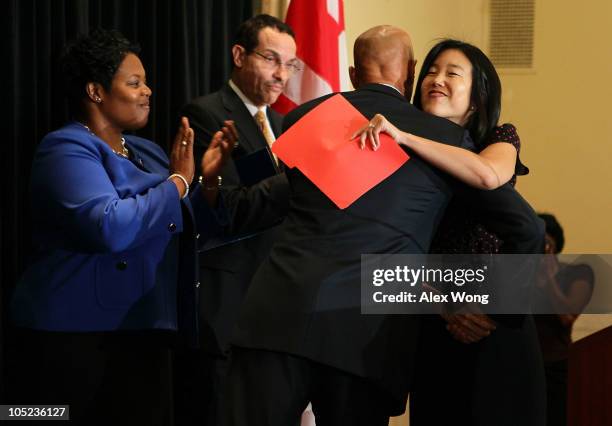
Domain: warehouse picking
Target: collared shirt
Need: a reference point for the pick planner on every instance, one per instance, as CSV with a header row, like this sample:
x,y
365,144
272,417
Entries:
x,y
251,107
393,87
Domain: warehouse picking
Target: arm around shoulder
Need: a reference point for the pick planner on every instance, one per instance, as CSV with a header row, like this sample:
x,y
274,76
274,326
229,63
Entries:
x,y
507,214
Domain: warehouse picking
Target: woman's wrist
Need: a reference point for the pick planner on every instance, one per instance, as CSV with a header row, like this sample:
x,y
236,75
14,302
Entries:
x,y
405,138
181,184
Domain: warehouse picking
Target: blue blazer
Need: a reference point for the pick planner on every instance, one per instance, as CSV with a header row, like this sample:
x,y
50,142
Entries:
x,y
106,236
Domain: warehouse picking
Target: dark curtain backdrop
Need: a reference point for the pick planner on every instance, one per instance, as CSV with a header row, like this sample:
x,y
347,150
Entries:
x,y
185,51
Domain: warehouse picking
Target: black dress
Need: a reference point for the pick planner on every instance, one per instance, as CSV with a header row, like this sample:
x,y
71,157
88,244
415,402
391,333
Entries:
x,y
496,381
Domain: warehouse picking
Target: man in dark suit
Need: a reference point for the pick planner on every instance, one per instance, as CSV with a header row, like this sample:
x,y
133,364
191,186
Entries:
x,y
301,335
264,57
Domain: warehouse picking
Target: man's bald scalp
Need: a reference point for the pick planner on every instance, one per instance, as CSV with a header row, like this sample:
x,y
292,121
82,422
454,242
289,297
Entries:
x,y
383,54
381,44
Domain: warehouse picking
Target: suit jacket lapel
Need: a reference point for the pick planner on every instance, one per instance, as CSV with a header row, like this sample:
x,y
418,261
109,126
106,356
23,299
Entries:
x,y
276,121
251,138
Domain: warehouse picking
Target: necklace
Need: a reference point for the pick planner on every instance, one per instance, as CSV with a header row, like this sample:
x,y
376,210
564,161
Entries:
x,y
125,153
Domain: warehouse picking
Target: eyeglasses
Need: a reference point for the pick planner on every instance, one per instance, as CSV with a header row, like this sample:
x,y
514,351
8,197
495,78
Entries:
x,y
272,60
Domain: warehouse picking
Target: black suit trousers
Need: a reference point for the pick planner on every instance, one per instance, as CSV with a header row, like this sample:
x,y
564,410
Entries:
x,y
338,398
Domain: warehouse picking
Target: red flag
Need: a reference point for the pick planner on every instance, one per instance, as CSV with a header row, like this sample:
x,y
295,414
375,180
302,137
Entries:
x,y
321,46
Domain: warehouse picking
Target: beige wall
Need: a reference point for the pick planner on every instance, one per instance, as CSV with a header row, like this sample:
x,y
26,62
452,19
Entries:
x,y
563,112
426,20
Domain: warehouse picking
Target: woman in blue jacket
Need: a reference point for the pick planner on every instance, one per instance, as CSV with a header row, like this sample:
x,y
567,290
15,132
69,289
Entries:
x,y
97,308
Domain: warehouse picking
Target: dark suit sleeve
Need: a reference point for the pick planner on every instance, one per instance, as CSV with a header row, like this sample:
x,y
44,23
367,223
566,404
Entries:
x,y
467,142
257,207
507,214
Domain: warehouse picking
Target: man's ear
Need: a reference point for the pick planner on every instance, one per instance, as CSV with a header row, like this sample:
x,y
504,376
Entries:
x,y
238,55
409,84
94,92
353,77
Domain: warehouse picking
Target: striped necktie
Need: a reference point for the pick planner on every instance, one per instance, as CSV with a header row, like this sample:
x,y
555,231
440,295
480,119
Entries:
x,y
262,122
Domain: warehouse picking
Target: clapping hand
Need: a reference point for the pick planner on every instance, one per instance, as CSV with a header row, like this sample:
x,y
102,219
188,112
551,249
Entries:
x,y
181,157
219,151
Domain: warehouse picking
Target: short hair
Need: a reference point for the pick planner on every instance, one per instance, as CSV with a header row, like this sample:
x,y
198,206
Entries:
x,y
247,34
486,88
92,58
554,229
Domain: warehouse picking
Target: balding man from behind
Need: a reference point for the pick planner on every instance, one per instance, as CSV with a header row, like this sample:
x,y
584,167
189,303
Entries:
x,y
301,336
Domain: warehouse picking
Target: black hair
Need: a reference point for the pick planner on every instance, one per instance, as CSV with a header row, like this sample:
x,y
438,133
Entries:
x,y
554,229
247,34
92,58
486,88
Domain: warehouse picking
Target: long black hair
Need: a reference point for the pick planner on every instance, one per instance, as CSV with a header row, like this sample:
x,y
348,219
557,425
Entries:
x,y
486,88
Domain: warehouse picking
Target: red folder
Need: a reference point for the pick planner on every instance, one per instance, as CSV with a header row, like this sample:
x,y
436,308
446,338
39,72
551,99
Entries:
x,y
319,146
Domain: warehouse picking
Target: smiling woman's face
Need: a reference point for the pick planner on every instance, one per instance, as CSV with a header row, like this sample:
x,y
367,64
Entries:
x,y
126,104
447,87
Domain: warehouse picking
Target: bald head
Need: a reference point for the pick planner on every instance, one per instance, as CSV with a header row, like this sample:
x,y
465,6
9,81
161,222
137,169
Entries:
x,y
383,54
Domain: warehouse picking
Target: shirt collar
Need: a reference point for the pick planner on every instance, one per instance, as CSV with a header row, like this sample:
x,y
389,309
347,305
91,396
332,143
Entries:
x,y
393,87
247,102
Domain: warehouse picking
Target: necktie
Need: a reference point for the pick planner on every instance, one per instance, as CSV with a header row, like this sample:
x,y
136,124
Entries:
x,y
260,118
